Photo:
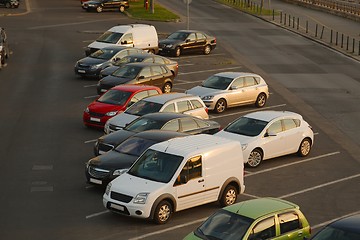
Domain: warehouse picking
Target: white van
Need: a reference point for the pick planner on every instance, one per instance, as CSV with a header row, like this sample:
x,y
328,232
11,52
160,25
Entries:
x,y
141,36
178,174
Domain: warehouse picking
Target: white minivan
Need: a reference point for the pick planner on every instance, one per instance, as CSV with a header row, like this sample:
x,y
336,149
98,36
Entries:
x,y
178,174
143,36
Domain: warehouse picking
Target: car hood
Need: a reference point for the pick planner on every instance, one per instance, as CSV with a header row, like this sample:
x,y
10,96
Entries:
x,y
122,119
170,41
117,137
203,91
89,61
113,160
103,108
131,185
233,136
113,81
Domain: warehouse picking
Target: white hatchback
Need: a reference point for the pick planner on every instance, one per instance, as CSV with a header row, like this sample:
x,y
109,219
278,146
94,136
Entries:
x,y
269,134
170,102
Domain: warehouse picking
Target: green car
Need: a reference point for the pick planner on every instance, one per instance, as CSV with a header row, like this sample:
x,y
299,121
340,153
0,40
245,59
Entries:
x,y
257,219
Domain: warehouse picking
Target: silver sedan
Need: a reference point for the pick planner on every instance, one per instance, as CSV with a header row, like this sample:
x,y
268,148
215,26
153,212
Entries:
x,y
231,89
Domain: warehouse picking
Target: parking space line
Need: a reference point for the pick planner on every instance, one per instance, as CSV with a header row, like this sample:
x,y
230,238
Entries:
x,y
210,70
320,186
96,214
91,85
332,220
290,164
90,141
168,229
94,96
248,111
197,56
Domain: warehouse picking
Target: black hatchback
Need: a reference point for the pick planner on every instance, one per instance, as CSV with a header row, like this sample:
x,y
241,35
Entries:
x,y
104,168
102,5
155,74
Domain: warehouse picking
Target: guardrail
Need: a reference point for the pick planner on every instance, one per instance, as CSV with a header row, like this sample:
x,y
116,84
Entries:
x,y
348,44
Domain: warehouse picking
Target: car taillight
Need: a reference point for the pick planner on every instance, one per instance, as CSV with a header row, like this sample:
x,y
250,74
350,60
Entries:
x,y
207,110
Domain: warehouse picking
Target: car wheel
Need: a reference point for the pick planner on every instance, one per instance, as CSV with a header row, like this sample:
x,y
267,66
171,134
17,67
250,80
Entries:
x,y
305,147
220,106
260,100
177,52
207,49
99,9
122,9
8,5
163,212
229,196
255,158
167,88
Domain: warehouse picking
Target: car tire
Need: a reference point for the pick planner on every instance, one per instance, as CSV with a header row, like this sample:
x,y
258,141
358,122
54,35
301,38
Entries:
x,y
163,212
255,158
229,196
220,105
304,148
207,49
261,100
177,52
122,8
167,88
99,9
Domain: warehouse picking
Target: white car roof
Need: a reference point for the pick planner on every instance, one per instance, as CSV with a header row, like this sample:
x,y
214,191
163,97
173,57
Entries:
x,y
124,28
270,115
163,98
236,74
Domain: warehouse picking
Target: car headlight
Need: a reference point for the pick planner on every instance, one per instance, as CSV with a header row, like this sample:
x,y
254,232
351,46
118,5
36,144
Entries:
x,y
207,97
169,46
107,190
94,67
87,110
243,146
141,198
118,172
106,127
111,114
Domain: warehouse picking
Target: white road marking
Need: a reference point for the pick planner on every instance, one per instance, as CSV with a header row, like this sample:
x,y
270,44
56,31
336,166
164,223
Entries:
x,y
332,220
242,112
210,70
197,56
290,164
96,214
92,85
94,96
90,141
42,167
71,24
320,186
42,189
168,229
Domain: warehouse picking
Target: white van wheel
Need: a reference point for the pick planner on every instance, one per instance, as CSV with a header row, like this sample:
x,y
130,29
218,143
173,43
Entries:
x,y
163,212
229,196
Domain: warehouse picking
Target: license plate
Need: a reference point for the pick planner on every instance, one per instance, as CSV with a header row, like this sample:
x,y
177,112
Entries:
x,y
94,119
118,207
81,71
95,181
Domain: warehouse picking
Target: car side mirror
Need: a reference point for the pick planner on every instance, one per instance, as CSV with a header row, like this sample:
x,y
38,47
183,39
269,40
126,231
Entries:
x,y
233,87
187,40
270,134
183,179
141,77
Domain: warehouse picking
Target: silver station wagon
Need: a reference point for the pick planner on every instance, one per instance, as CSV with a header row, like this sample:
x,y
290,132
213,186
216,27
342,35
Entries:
x,y
231,89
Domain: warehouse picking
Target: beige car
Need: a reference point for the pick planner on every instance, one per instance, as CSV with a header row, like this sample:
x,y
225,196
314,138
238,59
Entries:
x,y
231,89
169,102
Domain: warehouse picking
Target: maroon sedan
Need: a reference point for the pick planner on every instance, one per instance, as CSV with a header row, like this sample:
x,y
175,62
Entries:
x,y
115,101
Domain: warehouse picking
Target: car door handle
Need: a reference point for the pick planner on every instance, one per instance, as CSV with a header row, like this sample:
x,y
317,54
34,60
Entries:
x,y
201,180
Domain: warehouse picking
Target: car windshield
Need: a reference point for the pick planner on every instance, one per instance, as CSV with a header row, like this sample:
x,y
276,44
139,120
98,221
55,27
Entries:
x,y
135,146
115,97
156,166
128,59
333,233
105,54
109,37
178,36
127,72
246,126
217,82
143,107
143,124
224,225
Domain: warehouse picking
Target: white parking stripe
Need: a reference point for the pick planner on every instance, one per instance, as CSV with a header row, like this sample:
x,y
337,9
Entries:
x,y
290,164
91,141
197,56
94,96
320,186
168,229
210,70
332,220
242,112
92,85
96,214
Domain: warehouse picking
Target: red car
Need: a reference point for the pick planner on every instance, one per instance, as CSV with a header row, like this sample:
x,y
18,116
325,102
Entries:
x,y
115,101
